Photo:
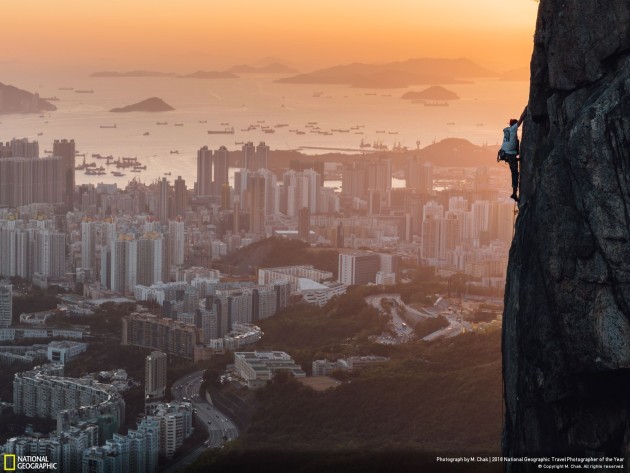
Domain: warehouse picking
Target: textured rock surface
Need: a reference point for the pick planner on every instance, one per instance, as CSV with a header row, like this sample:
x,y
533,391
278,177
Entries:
x,y
566,333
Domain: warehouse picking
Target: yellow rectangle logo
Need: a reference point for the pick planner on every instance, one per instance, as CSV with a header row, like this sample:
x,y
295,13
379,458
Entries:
x,y
9,462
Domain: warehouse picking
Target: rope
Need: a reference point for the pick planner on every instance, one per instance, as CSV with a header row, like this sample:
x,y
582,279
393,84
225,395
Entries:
x,y
514,219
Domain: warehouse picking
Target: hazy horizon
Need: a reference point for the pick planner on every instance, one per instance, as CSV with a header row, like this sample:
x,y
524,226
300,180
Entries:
x,y
78,37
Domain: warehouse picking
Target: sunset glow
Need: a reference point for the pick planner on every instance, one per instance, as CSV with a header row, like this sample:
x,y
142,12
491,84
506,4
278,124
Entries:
x,y
202,34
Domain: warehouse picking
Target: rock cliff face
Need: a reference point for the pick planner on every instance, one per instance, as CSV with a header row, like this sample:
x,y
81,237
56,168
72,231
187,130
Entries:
x,y
566,332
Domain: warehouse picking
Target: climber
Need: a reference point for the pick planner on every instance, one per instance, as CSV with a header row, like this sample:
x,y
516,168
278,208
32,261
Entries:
x,y
509,151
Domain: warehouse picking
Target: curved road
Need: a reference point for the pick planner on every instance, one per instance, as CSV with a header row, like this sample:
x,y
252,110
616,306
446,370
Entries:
x,y
220,427
454,317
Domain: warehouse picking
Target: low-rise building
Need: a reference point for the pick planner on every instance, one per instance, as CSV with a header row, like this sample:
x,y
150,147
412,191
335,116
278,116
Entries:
x,y
257,367
292,274
327,367
65,350
36,318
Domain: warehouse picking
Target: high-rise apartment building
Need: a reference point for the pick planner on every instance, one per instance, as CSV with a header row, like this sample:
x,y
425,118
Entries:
x,y
301,189
16,252
150,259
22,148
155,375
50,254
24,181
177,238
181,197
151,331
88,244
164,190
262,155
220,167
6,304
360,177
256,186
204,172
42,392
124,264
249,160
66,150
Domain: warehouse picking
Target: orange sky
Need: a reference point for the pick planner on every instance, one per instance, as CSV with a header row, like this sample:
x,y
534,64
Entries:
x,y
184,35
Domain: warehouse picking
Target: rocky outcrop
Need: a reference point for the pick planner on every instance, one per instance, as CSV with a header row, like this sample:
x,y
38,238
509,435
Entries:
x,y
566,332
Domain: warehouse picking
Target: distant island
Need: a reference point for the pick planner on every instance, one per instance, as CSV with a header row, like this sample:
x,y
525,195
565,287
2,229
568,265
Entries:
x,y
435,92
153,104
274,68
395,74
209,75
393,79
14,100
132,74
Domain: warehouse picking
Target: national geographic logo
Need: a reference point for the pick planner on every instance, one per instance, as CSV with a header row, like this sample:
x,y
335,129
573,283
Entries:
x,y
11,462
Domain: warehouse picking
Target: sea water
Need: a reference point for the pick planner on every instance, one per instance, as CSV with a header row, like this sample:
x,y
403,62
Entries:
x,y
380,115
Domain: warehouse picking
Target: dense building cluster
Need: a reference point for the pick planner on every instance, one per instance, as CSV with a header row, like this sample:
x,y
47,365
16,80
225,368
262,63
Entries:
x,y
163,245
45,392
94,445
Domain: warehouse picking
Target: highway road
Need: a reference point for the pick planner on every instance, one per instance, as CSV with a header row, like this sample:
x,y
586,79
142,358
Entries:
x,y
220,428
453,316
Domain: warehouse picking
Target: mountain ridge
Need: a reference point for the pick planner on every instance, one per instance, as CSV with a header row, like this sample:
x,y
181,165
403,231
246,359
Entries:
x,y
417,71
16,100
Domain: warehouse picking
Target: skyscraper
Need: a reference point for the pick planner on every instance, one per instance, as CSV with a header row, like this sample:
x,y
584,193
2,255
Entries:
x,y
24,149
88,244
155,375
256,203
380,174
353,180
177,238
150,259
262,152
221,164
163,200
301,189
204,172
66,151
6,304
24,181
124,264
50,254
249,160
181,197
